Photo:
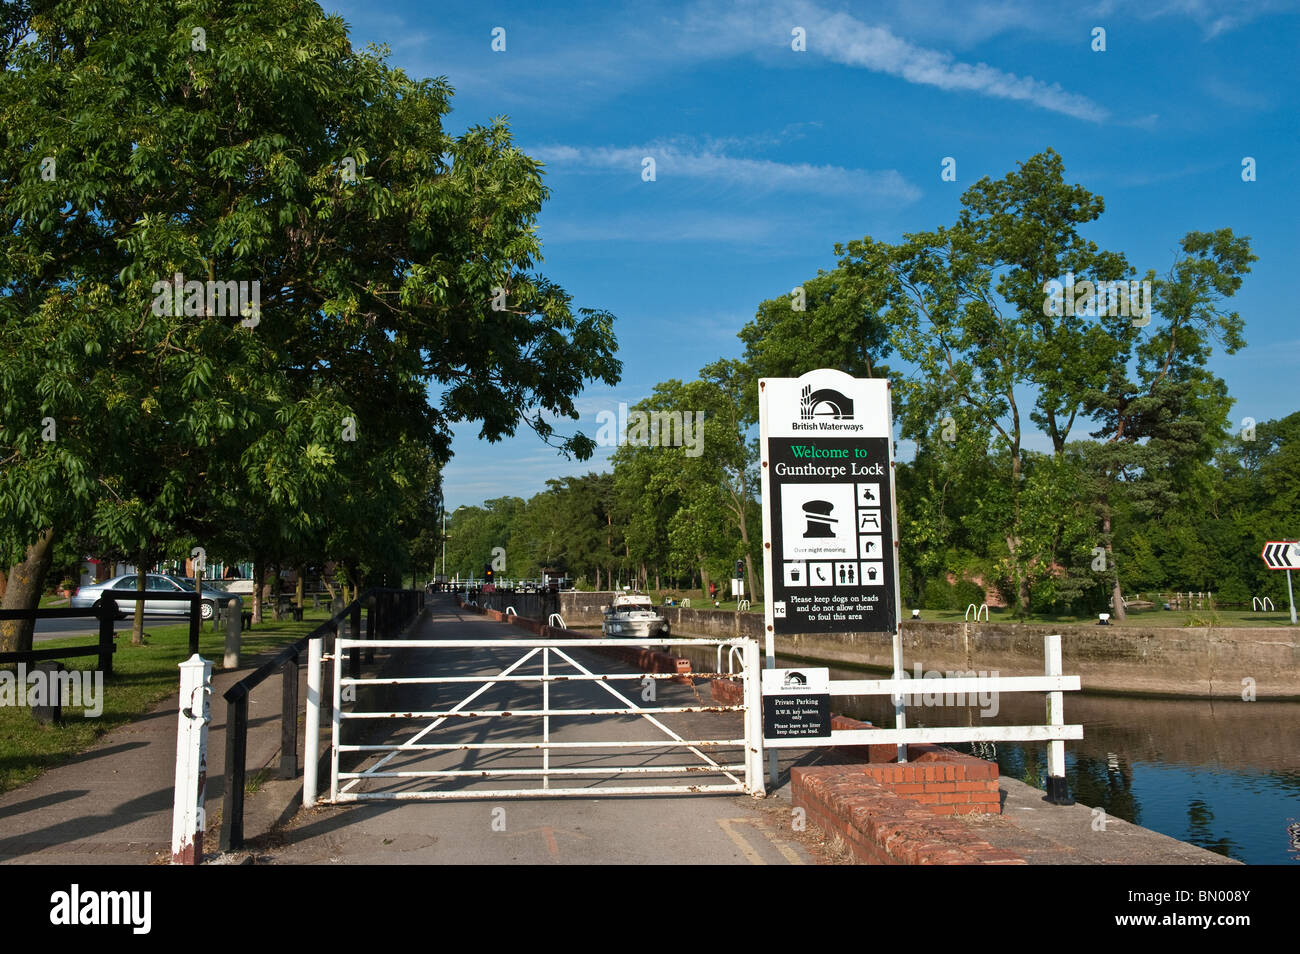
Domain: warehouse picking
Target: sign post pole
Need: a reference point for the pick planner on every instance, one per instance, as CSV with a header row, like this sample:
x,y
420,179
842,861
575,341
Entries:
x,y
769,639
1284,555
1290,595
900,708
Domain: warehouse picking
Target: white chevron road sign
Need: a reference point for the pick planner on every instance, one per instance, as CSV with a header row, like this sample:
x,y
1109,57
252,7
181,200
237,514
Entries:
x,y
1281,555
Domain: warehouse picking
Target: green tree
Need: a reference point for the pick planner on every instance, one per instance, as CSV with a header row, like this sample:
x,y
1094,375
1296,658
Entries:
x,y
1164,420
391,257
830,321
966,305
690,491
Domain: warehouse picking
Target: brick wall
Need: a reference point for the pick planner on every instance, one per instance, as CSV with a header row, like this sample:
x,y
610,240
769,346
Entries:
x,y
878,827
727,692
943,781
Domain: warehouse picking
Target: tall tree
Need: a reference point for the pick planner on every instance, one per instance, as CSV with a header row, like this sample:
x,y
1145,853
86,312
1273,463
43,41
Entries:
x,y
1166,416
832,320
967,306
249,142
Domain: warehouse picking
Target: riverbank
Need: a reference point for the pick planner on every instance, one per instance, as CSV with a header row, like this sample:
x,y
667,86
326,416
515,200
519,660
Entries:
x,y
876,826
872,817
1191,662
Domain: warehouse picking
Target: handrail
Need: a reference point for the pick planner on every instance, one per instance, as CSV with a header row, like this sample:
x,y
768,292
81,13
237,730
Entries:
x,y
732,650
35,614
387,610
104,646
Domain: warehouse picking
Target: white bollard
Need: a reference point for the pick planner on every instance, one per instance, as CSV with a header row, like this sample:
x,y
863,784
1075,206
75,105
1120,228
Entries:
x,y
311,756
191,761
234,625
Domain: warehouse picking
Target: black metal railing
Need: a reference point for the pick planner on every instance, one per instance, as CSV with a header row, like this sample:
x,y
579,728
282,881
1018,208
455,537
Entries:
x,y
106,613
387,612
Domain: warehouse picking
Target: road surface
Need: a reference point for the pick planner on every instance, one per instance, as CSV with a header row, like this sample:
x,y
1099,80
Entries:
x,y
606,828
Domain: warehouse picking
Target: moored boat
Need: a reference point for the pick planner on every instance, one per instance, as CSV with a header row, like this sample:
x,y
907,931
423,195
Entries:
x,y
633,615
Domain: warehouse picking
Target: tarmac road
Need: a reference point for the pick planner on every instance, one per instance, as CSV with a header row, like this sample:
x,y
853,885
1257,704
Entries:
x,y
606,828
47,629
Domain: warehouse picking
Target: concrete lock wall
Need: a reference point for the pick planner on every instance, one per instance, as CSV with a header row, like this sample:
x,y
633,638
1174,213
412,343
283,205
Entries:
x,y
1190,661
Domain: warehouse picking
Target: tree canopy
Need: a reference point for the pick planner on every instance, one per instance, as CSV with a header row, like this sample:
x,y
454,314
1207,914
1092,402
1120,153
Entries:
x,y
1005,323
238,256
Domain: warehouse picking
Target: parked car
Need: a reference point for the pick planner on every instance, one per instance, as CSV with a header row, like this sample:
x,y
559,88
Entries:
x,y
124,588
240,587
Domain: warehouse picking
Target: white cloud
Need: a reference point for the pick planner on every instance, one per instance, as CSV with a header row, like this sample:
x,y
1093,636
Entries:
x,y
845,39
1214,17
1237,95
616,48
672,160
669,227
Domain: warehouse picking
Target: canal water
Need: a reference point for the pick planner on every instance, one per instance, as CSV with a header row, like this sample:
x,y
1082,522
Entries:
x,y
1223,774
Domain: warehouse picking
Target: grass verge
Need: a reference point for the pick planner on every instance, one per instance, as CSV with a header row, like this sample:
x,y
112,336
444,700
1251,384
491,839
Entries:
x,y
142,676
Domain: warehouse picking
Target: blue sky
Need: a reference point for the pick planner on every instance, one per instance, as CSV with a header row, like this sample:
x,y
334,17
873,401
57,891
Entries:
x,y
767,157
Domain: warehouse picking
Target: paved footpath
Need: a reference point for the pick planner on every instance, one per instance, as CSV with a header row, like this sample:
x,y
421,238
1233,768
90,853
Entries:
x,y
658,829
112,804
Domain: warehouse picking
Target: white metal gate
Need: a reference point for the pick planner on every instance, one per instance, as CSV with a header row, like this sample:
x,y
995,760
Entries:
x,y
556,758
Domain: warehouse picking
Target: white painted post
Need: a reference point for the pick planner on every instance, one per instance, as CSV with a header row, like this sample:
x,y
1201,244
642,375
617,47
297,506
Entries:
x,y
546,720
311,757
336,719
1057,792
900,705
191,761
233,626
751,683
773,770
